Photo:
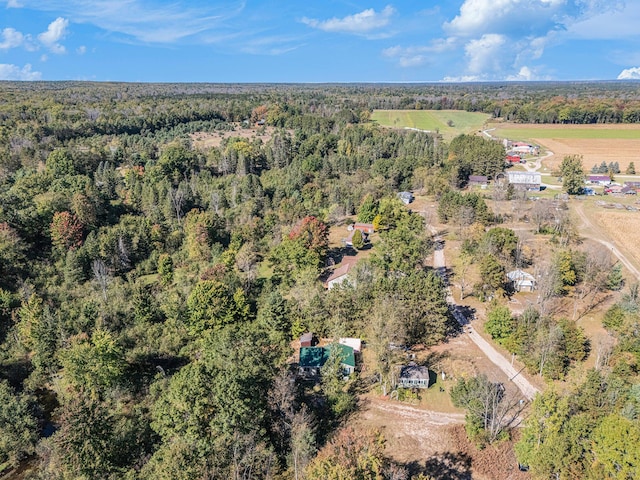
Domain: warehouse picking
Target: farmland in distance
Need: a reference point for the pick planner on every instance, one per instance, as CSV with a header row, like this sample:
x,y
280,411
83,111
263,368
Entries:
x,y
596,143
449,123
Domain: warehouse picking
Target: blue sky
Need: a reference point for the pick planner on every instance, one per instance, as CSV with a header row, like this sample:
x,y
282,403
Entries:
x,y
319,41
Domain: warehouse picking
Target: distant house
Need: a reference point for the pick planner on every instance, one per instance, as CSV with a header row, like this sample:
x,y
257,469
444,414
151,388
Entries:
x,y
365,228
478,180
634,185
521,281
341,274
414,376
406,197
614,189
525,180
513,158
628,190
522,147
599,179
312,359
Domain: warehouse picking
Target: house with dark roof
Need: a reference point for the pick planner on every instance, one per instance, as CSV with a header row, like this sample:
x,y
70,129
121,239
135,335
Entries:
x,y
312,359
414,376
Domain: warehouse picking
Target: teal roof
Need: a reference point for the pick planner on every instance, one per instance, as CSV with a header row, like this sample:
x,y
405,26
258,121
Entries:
x,y
348,357
318,356
313,356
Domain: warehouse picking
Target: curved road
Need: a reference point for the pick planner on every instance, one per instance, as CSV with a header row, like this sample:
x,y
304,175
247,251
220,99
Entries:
x,y
527,389
590,227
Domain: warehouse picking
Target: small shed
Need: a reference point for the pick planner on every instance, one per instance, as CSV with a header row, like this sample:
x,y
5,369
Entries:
x,y
307,340
354,343
406,197
414,376
521,281
478,180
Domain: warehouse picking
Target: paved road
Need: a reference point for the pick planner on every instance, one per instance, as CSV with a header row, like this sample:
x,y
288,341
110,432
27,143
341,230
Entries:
x,y
527,389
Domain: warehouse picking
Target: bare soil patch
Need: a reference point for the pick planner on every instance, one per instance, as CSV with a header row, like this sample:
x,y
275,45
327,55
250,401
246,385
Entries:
x,y
436,443
206,140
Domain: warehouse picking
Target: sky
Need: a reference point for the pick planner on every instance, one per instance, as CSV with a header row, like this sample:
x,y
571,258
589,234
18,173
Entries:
x,y
319,40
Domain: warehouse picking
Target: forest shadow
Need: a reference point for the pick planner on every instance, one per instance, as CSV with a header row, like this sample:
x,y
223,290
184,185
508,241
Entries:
x,y
447,465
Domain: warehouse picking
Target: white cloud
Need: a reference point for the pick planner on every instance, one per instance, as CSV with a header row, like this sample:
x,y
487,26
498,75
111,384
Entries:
x,y
630,74
462,79
11,38
149,22
359,24
415,56
55,32
13,4
513,16
525,74
81,50
14,72
485,53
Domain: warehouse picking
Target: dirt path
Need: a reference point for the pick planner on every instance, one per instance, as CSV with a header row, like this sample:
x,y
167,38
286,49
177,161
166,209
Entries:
x,y
594,232
416,418
516,376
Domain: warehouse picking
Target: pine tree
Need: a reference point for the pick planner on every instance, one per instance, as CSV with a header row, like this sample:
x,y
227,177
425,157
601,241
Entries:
x,y
631,169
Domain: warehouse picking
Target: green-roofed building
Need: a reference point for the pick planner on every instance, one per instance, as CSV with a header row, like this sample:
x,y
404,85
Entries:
x,y
313,358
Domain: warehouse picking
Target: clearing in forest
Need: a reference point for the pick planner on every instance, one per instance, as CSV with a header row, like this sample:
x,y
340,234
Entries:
x,y
449,123
596,143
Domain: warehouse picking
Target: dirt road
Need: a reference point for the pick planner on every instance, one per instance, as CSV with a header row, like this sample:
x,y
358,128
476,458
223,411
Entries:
x,y
593,232
516,376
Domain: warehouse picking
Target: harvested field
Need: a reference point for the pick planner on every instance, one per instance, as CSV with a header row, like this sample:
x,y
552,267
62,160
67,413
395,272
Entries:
x,y
622,227
593,151
596,143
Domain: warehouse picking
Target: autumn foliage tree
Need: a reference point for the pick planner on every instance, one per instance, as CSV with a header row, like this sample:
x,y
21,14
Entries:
x,y
350,454
66,231
312,234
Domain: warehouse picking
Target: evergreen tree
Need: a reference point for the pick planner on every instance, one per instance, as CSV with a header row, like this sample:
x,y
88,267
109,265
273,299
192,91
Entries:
x,y
631,169
572,174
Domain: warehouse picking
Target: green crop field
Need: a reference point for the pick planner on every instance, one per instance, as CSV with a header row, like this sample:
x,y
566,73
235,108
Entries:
x,y
461,122
561,131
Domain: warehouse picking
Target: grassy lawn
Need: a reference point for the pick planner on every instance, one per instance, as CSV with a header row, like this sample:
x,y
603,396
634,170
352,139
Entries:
x,y
462,122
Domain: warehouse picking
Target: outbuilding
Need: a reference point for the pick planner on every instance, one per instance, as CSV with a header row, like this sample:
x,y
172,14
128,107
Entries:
x,y
521,281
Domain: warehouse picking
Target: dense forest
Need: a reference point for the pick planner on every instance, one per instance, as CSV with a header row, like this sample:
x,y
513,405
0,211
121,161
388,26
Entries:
x,y
150,289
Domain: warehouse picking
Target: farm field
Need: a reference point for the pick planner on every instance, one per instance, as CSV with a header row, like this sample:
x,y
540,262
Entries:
x,y
596,143
462,122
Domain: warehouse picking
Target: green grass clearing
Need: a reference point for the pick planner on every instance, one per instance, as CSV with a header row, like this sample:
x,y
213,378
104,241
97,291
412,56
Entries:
x,y
432,120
